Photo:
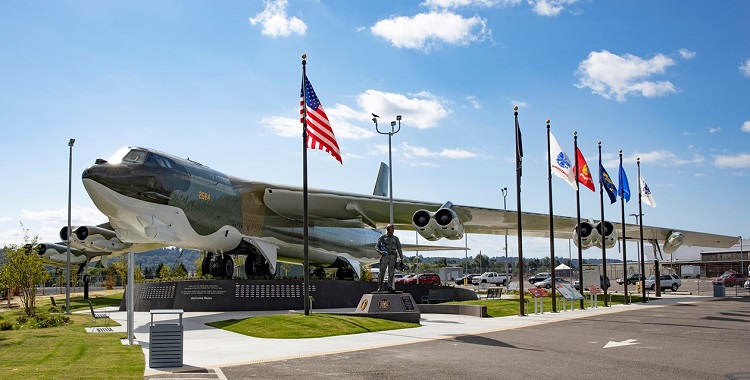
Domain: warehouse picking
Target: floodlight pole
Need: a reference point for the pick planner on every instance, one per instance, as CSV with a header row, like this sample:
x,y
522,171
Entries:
x,y
390,157
70,186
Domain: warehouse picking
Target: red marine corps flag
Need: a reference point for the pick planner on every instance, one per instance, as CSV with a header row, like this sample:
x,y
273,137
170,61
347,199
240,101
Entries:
x,y
319,132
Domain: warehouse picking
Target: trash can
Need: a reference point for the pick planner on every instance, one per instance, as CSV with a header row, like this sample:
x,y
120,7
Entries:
x,y
165,341
719,290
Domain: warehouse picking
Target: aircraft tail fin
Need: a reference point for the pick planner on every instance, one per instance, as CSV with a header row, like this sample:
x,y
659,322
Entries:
x,y
381,184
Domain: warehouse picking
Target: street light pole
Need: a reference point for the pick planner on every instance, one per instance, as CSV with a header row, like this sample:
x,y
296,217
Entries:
x,y
390,159
504,190
70,186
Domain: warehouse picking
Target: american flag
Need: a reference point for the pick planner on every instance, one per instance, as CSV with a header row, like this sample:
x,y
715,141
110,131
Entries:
x,y
319,132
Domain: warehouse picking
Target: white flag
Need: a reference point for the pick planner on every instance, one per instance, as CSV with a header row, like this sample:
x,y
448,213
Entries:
x,y
646,194
560,162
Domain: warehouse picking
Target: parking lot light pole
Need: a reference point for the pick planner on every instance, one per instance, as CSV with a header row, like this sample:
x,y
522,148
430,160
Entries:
x,y
390,134
70,186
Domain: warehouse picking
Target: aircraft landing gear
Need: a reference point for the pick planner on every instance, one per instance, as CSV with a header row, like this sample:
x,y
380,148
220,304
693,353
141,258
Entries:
x,y
221,266
344,273
206,264
256,265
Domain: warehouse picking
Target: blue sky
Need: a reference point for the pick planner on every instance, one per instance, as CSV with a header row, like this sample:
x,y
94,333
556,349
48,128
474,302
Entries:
x,y
219,82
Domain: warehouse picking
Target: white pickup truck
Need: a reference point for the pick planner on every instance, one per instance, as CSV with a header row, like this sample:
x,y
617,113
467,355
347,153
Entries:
x,y
492,278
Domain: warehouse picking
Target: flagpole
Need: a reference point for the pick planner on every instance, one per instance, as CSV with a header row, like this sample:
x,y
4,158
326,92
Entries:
x,y
551,222
578,219
305,234
602,230
519,154
640,226
624,243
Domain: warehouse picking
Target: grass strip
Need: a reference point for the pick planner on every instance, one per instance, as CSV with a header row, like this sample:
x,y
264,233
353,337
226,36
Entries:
x,y
293,326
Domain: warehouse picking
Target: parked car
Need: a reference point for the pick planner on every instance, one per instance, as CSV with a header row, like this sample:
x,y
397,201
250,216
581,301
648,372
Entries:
x,y
468,278
547,283
424,278
730,279
631,279
493,278
401,280
747,284
539,277
577,285
666,281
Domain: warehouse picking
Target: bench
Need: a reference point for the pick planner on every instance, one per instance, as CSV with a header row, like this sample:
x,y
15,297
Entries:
x,y
98,314
438,295
494,292
54,304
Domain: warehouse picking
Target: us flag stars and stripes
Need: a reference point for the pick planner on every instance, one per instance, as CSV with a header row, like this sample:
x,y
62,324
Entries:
x,y
319,132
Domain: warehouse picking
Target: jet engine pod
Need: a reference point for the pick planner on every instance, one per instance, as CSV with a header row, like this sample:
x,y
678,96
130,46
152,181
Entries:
x,y
674,241
450,225
587,232
426,225
608,237
64,233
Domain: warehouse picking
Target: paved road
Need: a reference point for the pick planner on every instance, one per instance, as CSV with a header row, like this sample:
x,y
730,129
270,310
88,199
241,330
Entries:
x,y
691,340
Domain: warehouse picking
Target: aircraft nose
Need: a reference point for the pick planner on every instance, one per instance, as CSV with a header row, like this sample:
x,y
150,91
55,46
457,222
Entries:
x,y
107,174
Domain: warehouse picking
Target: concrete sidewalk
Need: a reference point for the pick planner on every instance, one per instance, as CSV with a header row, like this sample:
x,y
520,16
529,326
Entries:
x,y
208,347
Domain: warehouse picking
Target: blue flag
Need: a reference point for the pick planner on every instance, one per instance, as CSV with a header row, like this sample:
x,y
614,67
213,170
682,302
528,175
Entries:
x,y
624,186
607,183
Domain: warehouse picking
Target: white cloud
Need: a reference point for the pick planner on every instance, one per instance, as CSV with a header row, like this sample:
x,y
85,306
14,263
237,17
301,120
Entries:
x,y
474,102
687,54
519,103
5,219
714,130
422,110
79,216
738,161
610,75
550,7
745,68
411,151
746,126
446,4
427,30
664,158
275,21
339,116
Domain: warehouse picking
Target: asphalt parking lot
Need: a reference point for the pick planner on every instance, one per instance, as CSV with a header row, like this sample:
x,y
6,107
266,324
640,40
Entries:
x,y
692,339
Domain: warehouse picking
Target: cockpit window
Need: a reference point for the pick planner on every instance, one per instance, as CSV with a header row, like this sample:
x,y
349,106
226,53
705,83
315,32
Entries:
x,y
134,157
161,161
127,155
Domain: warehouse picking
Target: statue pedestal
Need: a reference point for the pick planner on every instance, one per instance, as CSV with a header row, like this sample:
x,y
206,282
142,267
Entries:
x,y
395,306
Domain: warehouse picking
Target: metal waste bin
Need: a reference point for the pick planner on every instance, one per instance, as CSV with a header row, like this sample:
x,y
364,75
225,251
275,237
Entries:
x,y
165,341
719,290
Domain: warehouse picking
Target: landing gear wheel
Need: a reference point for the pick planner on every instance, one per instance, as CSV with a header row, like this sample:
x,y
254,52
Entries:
x,y
206,264
344,274
227,266
319,272
256,266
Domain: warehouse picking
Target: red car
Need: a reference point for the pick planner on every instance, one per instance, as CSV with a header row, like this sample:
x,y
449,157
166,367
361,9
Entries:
x,y
424,278
730,279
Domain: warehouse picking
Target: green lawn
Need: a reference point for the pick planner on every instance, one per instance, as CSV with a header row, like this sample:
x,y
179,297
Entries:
x,y
292,326
68,352
508,307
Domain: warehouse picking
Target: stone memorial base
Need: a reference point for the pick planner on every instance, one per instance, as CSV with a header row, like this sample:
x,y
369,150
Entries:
x,y
395,306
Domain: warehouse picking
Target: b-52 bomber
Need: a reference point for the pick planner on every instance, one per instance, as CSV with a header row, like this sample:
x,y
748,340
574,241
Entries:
x,y
153,199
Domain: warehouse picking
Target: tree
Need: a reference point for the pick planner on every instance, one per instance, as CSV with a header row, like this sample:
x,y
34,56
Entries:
x,y
23,269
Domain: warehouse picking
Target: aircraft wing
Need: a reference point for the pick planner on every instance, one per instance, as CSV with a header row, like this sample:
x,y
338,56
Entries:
x,y
329,208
